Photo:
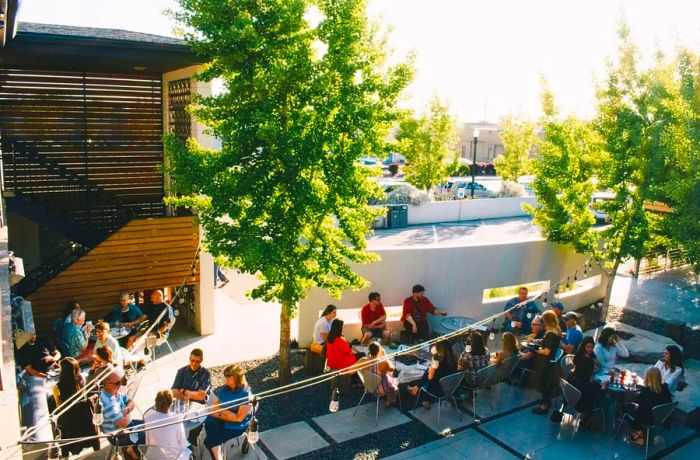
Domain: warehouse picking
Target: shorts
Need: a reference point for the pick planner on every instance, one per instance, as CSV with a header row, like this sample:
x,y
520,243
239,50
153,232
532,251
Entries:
x,y
376,333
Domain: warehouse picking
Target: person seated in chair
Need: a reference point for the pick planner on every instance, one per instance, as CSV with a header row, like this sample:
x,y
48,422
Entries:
x,y
389,386
116,413
654,393
339,354
76,337
573,337
128,315
373,320
171,436
581,378
154,311
474,357
224,425
415,309
442,365
193,383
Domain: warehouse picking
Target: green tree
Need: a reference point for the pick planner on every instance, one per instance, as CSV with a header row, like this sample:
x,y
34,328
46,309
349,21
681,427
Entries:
x,y
569,152
428,143
518,137
286,198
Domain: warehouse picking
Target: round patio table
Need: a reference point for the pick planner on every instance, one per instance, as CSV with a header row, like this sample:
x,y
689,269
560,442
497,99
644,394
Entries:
x,y
620,393
446,324
194,408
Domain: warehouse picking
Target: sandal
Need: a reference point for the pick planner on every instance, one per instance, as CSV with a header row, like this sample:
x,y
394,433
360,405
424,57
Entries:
x,y
639,441
635,436
426,405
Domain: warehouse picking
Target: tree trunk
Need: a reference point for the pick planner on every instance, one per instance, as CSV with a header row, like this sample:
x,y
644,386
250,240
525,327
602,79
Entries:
x,y
608,289
285,371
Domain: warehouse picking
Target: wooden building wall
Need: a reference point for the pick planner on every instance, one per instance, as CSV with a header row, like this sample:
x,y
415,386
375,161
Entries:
x,y
106,128
144,254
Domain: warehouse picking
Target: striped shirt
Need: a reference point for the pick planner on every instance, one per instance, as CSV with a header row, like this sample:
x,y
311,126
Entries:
x,y
112,407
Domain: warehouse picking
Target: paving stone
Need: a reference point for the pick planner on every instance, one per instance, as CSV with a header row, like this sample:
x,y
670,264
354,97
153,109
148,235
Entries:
x,y
343,426
292,440
465,444
449,419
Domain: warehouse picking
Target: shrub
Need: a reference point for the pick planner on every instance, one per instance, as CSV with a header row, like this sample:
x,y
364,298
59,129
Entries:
x,y
510,189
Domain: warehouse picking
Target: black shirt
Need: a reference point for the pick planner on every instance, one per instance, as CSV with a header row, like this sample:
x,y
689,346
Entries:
x,y
647,400
31,354
154,311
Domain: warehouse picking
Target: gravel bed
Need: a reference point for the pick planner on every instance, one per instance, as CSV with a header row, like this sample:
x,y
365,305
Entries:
x,y
304,404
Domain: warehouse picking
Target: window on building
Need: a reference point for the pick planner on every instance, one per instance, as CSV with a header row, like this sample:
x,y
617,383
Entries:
x,y
179,95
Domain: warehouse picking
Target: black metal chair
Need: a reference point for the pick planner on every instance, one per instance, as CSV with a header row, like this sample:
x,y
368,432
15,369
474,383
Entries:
x,y
660,413
371,382
449,385
572,395
486,378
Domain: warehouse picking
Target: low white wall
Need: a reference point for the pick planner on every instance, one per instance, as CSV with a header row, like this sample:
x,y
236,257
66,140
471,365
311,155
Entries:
x,y
455,278
457,210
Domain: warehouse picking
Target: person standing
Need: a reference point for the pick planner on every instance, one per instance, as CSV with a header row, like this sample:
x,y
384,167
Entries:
x,y
544,368
373,320
519,319
415,309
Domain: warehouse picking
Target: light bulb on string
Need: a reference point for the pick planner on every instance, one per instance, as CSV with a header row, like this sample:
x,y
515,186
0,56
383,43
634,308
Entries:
x,y
335,401
253,433
492,334
575,276
544,302
97,417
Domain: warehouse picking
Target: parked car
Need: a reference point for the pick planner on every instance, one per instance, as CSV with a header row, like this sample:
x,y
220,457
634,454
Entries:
x,y
600,197
458,189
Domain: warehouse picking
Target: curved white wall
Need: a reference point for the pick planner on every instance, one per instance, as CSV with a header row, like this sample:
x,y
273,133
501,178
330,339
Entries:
x,y
454,278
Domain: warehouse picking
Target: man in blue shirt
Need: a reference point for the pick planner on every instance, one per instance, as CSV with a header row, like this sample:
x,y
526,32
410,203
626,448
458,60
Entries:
x,y
193,383
573,336
128,315
116,413
520,319
75,337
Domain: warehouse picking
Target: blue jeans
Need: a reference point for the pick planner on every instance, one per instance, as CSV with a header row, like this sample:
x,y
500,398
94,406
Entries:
x,y
126,439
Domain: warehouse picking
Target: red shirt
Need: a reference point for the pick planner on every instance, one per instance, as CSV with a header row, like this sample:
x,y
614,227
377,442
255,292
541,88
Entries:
x,y
369,316
425,306
339,355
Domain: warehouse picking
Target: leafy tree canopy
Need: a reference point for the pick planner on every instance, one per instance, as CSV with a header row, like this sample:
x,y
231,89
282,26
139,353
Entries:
x,y
518,137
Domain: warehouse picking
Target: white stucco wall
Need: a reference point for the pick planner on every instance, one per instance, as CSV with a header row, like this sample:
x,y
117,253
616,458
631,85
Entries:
x,y
458,210
454,278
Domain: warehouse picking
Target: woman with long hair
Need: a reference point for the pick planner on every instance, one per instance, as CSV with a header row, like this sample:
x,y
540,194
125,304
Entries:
x,y
442,365
591,391
165,440
339,354
323,325
543,367
654,393
77,421
509,348
585,351
473,360
671,366
609,348
233,421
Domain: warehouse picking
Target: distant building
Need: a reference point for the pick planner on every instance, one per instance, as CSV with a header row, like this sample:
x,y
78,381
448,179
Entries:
x,y
489,145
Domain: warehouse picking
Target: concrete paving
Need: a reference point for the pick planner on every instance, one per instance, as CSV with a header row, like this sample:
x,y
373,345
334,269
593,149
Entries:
x,y
343,426
686,452
465,233
449,419
674,294
537,436
511,397
465,444
292,440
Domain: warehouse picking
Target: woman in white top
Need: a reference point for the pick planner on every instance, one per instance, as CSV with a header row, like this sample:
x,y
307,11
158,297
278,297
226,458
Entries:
x,y
671,367
609,348
105,339
167,442
323,325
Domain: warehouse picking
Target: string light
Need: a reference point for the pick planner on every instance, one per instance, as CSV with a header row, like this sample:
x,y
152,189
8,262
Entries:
x,y
97,417
544,302
253,434
492,334
335,401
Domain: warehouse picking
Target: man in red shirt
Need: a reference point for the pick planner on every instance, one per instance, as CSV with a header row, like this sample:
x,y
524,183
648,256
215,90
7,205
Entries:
x,y
414,310
373,320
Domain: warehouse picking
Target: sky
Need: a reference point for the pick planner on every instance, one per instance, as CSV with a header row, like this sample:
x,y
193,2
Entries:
x,y
485,58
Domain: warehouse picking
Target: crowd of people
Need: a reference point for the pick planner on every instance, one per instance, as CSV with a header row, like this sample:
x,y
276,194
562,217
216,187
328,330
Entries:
x,y
554,334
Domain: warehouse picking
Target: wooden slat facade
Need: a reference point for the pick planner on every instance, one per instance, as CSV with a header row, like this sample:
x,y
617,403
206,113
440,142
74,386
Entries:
x,y
144,254
104,127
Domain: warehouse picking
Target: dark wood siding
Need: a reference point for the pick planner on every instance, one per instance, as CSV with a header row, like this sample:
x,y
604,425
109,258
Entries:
x,y
105,127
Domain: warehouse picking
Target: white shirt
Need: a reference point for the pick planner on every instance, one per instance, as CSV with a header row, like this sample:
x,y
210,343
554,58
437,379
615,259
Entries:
x,y
322,326
608,356
171,437
669,377
111,343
